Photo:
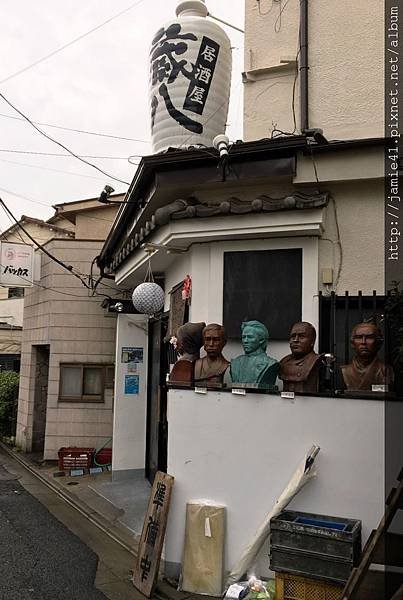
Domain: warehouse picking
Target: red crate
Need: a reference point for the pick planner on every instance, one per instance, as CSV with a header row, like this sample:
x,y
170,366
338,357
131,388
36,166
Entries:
x,y
75,458
103,457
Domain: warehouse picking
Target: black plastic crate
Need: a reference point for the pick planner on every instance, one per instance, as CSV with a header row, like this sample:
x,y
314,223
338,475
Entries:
x,y
313,545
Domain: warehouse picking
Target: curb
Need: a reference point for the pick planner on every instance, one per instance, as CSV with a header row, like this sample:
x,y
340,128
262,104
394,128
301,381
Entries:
x,y
95,518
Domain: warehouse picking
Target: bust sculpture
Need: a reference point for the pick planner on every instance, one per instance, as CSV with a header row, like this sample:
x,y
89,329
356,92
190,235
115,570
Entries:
x,y
189,341
255,367
366,369
300,369
210,370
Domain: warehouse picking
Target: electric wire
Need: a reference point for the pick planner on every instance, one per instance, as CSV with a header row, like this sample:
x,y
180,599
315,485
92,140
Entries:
x,y
336,219
59,154
79,275
261,13
69,268
97,133
59,143
23,197
278,22
71,42
13,162
91,217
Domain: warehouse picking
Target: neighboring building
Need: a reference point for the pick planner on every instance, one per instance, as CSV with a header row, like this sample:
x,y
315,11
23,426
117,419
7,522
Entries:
x,y
68,341
295,220
12,298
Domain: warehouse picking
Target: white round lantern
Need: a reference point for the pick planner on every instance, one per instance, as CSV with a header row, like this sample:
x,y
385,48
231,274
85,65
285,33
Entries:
x,y
148,298
190,78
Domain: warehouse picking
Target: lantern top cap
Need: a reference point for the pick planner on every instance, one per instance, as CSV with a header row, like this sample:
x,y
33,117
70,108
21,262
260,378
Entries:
x,y
191,8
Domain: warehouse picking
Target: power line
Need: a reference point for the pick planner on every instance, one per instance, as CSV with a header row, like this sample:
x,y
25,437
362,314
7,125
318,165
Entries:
x,y
107,135
59,154
59,143
44,250
13,162
24,197
77,39
91,217
69,268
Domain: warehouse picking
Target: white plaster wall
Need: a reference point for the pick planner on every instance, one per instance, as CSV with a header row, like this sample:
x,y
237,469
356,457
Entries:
x,y
129,424
241,451
359,208
346,41
174,274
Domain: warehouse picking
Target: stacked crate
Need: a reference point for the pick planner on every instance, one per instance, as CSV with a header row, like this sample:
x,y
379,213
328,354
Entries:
x,y
313,555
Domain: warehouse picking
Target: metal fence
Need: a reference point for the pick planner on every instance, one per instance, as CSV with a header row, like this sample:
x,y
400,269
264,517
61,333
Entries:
x,y
338,314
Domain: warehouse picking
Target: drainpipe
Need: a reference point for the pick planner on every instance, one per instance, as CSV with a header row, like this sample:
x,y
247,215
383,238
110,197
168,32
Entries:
x,y
304,106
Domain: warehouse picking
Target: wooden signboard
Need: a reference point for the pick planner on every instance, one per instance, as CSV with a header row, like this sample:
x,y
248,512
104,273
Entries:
x,y
152,536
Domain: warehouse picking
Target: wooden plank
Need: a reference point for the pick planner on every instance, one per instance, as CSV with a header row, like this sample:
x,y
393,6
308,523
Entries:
x,y
399,594
371,588
152,536
389,551
394,502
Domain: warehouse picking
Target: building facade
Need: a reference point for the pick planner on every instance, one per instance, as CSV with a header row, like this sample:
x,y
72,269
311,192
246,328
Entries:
x,y
279,232
68,340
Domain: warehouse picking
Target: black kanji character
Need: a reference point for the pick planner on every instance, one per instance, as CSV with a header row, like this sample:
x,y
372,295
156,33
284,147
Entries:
x,y
145,567
159,495
152,531
165,69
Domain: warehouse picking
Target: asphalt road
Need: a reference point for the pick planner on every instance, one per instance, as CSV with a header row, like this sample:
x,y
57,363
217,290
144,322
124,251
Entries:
x,y
40,559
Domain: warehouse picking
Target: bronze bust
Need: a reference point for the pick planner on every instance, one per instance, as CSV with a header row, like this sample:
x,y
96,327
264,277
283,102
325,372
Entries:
x,y
366,370
255,367
210,370
189,341
300,369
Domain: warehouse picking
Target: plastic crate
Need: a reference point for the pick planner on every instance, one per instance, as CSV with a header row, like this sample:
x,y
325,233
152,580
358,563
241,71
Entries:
x,y
75,458
103,457
294,587
315,546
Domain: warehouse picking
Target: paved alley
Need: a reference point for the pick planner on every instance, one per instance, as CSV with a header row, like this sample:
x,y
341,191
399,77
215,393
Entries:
x,y
39,558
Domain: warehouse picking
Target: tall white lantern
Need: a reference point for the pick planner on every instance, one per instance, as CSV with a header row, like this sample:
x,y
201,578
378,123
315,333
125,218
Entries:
x,y
190,77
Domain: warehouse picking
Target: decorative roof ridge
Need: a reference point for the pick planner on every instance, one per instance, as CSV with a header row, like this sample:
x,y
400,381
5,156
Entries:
x,y
192,207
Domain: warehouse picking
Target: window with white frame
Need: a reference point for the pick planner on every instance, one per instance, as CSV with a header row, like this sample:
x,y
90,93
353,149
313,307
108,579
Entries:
x,y
85,382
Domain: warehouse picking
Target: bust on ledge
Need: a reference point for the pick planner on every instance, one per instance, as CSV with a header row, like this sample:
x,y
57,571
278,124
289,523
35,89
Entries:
x,y
255,367
366,370
189,342
300,369
210,370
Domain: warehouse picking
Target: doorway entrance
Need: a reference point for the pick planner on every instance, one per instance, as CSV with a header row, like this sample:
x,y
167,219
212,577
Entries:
x,y
40,355
157,425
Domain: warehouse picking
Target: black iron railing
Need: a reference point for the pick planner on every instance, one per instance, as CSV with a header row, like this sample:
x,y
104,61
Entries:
x,y
338,314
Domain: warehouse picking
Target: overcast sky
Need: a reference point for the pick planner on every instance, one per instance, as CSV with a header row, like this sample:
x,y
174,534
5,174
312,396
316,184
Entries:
x,y
97,84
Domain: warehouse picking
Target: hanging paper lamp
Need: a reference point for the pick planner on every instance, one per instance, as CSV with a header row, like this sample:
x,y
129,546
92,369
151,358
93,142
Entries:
x,y
190,78
148,298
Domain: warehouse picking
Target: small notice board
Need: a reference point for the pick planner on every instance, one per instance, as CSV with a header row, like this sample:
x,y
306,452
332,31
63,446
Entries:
x,y
152,536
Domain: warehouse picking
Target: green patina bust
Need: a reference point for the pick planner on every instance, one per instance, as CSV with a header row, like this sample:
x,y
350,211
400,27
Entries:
x,y
255,367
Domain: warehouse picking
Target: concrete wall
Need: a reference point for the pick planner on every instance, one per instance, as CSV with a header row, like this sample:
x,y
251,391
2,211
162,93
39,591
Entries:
x,y
358,210
129,423
11,310
346,44
10,341
78,330
241,451
95,224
